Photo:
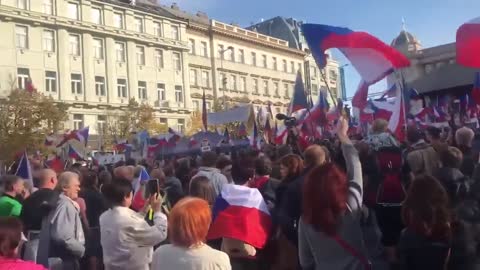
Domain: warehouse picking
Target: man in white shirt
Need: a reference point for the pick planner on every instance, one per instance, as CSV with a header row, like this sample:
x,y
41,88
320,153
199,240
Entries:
x,y
127,239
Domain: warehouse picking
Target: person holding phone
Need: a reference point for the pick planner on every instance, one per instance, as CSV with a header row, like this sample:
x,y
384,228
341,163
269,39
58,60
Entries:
x,y
127,239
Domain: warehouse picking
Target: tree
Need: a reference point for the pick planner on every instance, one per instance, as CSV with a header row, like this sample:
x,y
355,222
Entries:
x,y
132,118
194,124
25,119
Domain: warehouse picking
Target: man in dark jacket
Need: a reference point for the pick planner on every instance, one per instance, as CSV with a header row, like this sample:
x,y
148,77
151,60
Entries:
x,y
290,209
263,182
36,207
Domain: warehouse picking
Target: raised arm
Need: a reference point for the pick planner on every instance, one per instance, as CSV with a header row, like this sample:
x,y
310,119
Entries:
x,y
354,167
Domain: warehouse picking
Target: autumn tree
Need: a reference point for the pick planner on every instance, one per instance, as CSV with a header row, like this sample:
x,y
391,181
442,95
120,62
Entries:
x,y
194,124
25,119
132,118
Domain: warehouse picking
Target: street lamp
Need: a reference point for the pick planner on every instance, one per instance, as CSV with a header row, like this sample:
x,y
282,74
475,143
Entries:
x,y
224,79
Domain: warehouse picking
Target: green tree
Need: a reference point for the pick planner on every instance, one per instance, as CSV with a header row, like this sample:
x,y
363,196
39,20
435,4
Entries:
x,y
25,119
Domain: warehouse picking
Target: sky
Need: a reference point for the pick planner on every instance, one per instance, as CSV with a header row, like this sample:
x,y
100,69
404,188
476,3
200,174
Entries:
x,y
433,22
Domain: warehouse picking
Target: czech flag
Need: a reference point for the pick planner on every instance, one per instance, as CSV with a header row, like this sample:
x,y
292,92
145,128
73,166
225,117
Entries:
x,y
476,89
372,58
73,153
468,44
55,164
299,99
254,136
24,170
138,201
80,135
241,213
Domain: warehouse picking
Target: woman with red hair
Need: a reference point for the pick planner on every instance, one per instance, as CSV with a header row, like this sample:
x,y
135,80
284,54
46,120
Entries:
x,y
10,240
330,236
188,226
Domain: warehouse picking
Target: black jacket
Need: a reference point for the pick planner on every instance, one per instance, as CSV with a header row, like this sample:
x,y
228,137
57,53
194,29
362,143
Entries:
x,y
290,208
36,207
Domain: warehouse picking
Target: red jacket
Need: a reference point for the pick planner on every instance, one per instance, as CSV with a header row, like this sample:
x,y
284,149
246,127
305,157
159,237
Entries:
x,y
16,264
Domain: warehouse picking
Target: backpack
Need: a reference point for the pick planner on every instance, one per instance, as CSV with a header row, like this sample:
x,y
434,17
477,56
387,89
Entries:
x,y
390,191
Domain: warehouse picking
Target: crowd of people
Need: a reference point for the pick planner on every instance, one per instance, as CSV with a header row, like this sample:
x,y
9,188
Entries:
x,y
344,203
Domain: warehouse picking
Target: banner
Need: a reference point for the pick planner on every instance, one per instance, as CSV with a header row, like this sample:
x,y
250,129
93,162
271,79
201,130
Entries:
x,y
240,114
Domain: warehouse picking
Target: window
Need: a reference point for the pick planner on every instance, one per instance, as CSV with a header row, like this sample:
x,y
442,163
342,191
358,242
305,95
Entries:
x,y
140,55
178,93
275,89
101,123
50,81
97,15
100,86
285,66
23,4
265,88
164,121
299,67
142,90
205,79
264,61
138,23
233,82
231,54
314,89
221,51
274,64
292,67
254,59
159,58
255,86
193,77
181,125
314,71
285,88
48,7
77,121
120,51
122,88
175,32
73,11
23,75
223,80
196,105
48,41
74,45
76,83
161,92
21,33
157,29
333,75
118,20
208,104
177,63
203,49
98,48
191,46
243,83
241,56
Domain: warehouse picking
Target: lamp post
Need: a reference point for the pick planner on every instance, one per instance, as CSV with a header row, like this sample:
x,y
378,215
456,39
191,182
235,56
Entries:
x,y
341,71
224,79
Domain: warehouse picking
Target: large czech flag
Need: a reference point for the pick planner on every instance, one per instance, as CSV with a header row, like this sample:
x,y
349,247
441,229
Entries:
x,y
372,58
468,44
241,213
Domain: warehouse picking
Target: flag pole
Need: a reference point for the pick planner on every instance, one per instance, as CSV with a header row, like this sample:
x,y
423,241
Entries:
x,y
328,87
402,91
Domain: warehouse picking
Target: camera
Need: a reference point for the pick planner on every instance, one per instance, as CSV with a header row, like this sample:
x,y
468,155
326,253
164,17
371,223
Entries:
x,y
289,122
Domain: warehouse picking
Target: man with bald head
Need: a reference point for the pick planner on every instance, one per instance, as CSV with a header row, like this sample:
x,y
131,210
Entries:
x,y
125,172
290,208
36,207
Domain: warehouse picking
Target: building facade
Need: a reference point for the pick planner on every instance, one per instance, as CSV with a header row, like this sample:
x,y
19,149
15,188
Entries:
x,y
316,80
233,65
96,55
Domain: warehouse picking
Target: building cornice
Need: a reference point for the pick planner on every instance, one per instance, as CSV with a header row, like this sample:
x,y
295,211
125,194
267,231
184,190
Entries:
x,y
38,19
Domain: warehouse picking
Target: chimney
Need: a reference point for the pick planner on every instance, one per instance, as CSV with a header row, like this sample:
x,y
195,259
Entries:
x,y
133,2
174,6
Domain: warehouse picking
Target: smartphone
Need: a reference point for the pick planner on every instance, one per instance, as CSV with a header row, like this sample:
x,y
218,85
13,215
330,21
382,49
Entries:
x,y
152,187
